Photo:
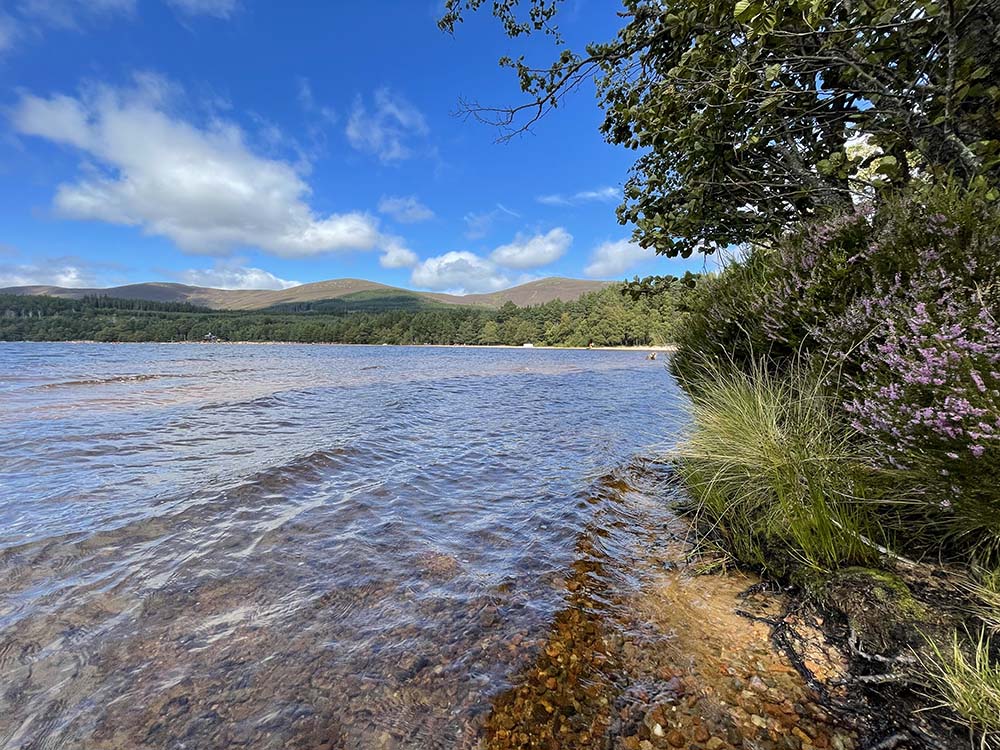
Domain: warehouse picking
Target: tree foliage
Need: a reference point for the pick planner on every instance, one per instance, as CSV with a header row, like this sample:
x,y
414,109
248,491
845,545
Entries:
x,y
744,112
605,318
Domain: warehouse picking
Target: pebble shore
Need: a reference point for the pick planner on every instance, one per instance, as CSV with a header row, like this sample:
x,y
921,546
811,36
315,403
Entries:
x,y
649,654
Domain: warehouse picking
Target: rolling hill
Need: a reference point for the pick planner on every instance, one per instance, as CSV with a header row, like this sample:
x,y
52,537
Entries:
x,y
533,293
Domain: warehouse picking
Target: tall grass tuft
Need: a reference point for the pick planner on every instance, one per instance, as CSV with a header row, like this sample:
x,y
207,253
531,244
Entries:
x,y
985,590
968,682
776,475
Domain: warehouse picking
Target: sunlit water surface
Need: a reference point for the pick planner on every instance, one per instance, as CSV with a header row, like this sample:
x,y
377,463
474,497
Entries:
x,y
295,546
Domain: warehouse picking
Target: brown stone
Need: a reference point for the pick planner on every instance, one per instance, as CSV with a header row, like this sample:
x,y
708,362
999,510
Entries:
x,y
775,710
676,739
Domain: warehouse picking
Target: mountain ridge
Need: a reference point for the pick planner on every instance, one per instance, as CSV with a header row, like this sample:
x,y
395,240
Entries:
x,y
535,292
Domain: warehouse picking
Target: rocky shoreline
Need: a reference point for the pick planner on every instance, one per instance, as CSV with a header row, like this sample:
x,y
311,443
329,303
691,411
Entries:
x,y
652,653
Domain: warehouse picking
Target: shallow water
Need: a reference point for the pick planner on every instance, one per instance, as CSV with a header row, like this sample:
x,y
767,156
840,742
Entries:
x,y
297,546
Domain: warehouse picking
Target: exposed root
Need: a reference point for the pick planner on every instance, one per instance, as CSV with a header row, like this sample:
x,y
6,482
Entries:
x,y
876,679
782,636
890,743
854,644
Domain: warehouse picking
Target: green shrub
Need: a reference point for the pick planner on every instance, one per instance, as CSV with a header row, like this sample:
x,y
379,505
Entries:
x,y
721,327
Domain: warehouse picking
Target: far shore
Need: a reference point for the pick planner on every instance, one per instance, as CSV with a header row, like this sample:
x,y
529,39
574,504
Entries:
x,y
651,348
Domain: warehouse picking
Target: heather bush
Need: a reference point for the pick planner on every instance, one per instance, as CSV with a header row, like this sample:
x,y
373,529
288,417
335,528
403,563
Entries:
x,y
845,388
903,298
921,348
813,279
770,305
927,389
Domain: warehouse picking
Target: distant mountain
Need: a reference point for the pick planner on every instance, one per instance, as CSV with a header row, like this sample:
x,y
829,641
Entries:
x,y
532,293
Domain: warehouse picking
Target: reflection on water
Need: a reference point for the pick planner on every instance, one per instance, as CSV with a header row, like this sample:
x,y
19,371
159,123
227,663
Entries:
x,y
295,546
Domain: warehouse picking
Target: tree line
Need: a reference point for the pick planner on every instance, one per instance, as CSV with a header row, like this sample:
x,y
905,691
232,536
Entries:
x,y
614,316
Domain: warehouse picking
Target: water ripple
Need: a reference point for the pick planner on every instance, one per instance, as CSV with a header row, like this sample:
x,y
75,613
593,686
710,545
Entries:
x,y
296,546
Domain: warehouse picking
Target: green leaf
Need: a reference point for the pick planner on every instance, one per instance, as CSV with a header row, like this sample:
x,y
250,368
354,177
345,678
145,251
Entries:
x,y
770,103
745,10
887,165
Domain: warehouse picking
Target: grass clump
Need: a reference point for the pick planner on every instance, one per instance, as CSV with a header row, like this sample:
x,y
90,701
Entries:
x,y
777,479
967,680
985,590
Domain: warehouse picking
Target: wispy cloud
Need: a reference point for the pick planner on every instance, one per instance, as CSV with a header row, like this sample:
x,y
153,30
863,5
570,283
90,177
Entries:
x,y
72,14
600,195
216,8
9,31
388,128
479,224
319,119
406,209
63,271
30,19
309,104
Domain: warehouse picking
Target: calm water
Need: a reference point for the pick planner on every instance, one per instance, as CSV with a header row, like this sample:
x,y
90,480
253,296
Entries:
x,y
295,546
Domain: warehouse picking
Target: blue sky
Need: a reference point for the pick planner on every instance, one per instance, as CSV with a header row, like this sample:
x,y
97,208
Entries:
x,y
253,144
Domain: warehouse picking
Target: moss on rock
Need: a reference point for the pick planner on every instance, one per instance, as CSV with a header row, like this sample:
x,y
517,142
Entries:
x,y
884,616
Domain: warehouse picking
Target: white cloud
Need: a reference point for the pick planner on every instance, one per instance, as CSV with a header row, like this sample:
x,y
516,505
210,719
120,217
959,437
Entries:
x,y
601,195
201,187
216,8
408,209
234,276
54,272
459,272
614,258
396,254
386,129
531,252
306,98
